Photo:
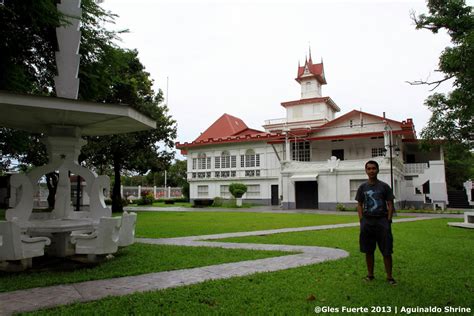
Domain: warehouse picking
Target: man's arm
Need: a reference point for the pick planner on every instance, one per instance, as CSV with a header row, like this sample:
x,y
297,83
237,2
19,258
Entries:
x,y
389,200
390,209
359,209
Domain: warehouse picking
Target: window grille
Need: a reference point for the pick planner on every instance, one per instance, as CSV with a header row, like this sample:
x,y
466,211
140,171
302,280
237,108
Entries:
x,y
225,191
203,190
354,186
253,190
301,151
378,152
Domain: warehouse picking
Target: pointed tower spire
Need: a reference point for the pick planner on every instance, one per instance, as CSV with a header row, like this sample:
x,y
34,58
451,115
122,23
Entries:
x,y
310,59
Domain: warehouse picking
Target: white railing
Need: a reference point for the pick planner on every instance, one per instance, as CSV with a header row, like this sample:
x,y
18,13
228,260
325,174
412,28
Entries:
x,y
415,168
276,121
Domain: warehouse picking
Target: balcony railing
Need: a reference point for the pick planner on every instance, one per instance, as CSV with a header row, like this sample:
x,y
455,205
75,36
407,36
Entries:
x,y
415,168
276,121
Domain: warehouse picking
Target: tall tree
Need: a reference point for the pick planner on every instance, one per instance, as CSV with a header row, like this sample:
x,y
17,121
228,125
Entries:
x,y
453,113
108,74
452,116
27,63
117,76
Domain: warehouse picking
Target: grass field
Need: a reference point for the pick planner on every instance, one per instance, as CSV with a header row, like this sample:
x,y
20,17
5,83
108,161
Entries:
x,y
432,262
142,258
178,224
133,260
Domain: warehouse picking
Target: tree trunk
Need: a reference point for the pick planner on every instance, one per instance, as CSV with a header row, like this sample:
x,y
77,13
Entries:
x,y
116,195
52,183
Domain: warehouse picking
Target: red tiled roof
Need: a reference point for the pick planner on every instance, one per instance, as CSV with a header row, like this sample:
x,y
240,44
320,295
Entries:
x,y
231,139
356,112
227,129
317,70
226,125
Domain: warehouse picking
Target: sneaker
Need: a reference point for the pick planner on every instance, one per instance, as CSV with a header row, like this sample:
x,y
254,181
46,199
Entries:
x,y
392,281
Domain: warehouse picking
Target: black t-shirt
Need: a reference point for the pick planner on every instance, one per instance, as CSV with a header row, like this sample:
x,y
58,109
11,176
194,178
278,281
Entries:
x,y
374,198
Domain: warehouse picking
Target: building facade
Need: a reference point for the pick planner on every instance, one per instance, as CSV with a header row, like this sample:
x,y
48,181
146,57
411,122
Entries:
x,y
312,159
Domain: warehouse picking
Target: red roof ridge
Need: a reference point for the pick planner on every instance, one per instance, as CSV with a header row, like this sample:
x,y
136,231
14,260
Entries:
x,y
226,125
348,114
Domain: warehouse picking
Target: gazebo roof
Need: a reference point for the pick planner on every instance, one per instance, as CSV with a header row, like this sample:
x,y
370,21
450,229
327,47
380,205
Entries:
x,y
39,113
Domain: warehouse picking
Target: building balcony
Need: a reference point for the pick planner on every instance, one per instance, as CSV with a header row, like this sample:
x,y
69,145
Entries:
x,y
284,124
415,168
340,165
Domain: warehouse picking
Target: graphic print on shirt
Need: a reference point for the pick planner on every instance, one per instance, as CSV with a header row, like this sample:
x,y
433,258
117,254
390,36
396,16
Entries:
x,y
371,202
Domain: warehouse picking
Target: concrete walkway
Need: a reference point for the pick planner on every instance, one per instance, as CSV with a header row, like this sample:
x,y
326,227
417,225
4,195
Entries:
x,y
37,298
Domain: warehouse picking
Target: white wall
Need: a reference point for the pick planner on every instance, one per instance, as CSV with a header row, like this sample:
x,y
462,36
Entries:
x,y
370,124
310,89
269,169
310,111
353,148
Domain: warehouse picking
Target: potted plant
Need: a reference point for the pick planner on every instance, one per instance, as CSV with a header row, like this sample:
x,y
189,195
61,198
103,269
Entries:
x,y
238,190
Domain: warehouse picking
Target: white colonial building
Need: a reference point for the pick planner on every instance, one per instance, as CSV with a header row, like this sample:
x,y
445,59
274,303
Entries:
x,y
310,158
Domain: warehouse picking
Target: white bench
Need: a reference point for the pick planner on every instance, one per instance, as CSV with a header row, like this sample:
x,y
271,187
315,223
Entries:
x,y
127,229
16,245
102,241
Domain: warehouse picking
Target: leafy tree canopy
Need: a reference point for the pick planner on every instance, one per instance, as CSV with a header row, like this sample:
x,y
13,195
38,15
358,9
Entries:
x,y
108,74
452,118
452,114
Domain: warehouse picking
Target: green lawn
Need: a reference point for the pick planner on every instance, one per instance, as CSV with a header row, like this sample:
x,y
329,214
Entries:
x,y
178,224
162,204
432,262
133,260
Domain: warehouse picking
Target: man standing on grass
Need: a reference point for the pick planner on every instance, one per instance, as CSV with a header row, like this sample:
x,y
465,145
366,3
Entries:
x,y
375,208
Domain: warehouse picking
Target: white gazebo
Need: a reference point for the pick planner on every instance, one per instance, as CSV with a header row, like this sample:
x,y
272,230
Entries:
x,y
63,121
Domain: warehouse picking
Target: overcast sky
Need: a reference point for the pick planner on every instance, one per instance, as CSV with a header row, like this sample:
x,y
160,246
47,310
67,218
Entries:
x,y
241,57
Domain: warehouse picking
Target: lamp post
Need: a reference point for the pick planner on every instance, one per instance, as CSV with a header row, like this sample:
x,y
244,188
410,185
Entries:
x,y
390,146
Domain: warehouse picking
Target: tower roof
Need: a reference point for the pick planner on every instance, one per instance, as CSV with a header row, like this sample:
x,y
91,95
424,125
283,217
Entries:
x,y
310,70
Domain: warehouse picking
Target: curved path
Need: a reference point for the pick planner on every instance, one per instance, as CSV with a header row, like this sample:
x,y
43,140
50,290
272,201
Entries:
x,y
37,298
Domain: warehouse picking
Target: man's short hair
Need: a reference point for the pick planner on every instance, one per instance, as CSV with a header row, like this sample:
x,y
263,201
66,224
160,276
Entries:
x,y
372,162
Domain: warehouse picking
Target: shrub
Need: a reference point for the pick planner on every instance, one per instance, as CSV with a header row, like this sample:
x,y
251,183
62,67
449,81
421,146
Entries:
x,y
169,201
125,202
340,207
146,199
218,201
185,191
237,189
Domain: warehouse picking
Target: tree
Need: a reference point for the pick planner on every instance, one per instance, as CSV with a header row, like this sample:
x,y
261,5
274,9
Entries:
x,y
108,74
176,175
27,63
124,80
453,114
452,117
237,189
